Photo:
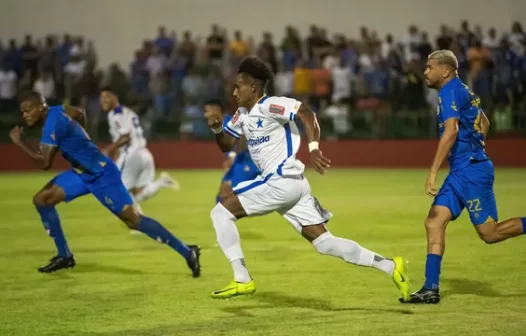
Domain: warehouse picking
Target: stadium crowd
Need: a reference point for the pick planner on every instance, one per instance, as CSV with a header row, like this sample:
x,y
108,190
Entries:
x,y
358,86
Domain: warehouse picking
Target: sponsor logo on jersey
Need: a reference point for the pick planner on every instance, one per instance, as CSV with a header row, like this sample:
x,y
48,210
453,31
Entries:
x,y
258,141
235,118
276,109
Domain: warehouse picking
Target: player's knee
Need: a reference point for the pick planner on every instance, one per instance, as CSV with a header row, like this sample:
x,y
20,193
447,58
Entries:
x,y
219,213
43,199
323,244
130,217
488,233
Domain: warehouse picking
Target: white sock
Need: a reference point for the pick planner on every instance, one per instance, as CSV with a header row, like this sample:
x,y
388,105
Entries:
x,y
137,206
229,241
351,252
150,190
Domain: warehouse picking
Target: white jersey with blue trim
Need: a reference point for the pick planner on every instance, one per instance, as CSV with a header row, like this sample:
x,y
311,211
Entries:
x,y
272,135
123,120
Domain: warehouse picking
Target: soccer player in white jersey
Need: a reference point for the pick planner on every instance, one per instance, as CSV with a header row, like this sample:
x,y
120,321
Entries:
x,y
134,160
269,124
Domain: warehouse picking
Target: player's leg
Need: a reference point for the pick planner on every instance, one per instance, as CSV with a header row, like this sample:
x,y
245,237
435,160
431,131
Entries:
x,y
146,186
225,188
110,191
446,207
63,188
479,200
247,199
309,218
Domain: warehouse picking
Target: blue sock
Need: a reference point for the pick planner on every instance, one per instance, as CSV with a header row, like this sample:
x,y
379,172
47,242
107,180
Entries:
x,y
433,264
156,231
523,220
51,221
218,199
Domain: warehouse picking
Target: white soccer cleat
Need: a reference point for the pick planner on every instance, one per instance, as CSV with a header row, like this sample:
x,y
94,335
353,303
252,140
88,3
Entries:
x,y
135,232
170,181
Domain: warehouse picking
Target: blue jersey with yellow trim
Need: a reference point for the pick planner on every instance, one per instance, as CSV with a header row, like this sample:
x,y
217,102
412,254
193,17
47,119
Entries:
x,y
456,100
73,142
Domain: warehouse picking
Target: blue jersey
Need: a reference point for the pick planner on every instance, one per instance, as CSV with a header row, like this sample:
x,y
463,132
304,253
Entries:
x,y
73,142
456,100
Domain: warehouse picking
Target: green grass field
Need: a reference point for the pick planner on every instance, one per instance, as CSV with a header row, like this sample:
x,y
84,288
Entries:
x,y
126,285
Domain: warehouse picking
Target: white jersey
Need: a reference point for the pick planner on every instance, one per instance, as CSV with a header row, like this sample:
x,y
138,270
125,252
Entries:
x,y
272,135
123,120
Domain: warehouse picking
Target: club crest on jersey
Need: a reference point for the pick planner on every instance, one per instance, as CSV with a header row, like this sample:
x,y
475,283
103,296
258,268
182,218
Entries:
x,y
258,141
276,109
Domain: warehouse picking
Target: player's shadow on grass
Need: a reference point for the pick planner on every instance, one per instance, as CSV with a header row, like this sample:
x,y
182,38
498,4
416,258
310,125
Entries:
x,y
272,300
475,287
94,268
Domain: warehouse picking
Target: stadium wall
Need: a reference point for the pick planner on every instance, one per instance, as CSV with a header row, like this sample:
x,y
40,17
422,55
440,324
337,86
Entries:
x,y
118,27
375,154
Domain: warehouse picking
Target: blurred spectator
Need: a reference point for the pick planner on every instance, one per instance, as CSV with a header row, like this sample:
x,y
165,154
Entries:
x,y
214,84
267,51
216,46
157,62
284,81
291,47
478,58
425,48
194,124
45,85
26,82
342,78
339,114
8,89
3,51
187,49
49,57
507,64
193,85
163,42
238,48
91,53
160,90
64,50
387,46
413,96
89,97
411,43
491,41
466,36
517,38
302,81
444,40
117,80
321,86
30,55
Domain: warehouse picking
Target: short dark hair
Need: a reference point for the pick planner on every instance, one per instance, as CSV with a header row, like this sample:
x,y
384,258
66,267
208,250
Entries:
x,y
33,97
109,89
256,68
216,102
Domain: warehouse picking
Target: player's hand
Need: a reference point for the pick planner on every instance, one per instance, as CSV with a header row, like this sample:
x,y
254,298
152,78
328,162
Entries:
x,y
430,184
319,162
17,135
214,119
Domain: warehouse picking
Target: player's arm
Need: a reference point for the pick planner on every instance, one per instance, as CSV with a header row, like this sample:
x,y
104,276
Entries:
x,y
485,124
312,131
124,138
43,158
78,114
225,135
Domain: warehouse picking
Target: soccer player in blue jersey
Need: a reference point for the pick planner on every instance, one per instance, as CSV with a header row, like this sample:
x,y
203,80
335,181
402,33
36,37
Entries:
x,y
92,172
238,162
462,127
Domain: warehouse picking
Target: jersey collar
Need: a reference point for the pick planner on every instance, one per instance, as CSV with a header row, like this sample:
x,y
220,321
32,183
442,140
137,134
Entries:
x,y
455,81
117,109
262,99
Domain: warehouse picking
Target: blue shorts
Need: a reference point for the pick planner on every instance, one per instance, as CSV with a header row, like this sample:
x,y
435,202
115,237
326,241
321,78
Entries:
x,y
107,188
470,188
243,169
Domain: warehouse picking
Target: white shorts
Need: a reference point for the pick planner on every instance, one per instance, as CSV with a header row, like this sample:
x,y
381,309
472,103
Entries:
x,y
289,196
137,168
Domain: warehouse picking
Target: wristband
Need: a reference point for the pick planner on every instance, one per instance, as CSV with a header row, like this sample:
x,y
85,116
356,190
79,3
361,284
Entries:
x,y
217,130
313,146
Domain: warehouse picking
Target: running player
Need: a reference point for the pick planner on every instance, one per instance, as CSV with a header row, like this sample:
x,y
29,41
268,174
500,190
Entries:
x,y
463,127
269,124
92,172
238,163
134,160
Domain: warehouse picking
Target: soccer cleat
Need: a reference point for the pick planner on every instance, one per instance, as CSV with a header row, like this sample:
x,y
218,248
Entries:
x,y
193,260
170,181
57,263
235,289
400,277
135,232
424,295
